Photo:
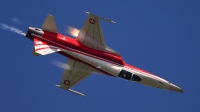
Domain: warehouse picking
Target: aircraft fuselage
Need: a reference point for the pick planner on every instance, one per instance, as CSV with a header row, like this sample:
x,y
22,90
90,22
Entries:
x,y
102,61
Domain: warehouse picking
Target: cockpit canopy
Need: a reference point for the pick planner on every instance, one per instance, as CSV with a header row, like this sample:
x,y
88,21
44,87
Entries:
x,y
129,76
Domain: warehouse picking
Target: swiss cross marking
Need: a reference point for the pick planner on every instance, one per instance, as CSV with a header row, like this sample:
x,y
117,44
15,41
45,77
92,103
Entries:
x,y
66,82
92,21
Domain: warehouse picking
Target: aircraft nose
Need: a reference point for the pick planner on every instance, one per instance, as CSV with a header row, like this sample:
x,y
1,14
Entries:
x,y
175,88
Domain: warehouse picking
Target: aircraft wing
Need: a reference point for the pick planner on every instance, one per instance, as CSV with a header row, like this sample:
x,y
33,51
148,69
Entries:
x,y
76,73
91,34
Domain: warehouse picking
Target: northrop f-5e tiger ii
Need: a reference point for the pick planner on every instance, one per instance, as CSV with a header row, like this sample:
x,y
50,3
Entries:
x,y
88,53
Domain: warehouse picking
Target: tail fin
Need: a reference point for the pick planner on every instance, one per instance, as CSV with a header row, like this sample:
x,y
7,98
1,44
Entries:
x,y
44,48
49,24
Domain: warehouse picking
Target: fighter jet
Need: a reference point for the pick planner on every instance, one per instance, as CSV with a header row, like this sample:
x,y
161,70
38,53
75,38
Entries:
x,y
88,54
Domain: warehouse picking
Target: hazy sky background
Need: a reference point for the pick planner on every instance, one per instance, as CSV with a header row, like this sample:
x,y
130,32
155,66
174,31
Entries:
x,y
162,37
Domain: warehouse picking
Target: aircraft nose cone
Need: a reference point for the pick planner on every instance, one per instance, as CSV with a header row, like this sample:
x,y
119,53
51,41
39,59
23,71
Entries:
x,y
175,88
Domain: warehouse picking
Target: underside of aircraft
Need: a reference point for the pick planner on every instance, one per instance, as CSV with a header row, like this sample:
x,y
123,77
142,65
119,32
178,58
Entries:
x,y
87,54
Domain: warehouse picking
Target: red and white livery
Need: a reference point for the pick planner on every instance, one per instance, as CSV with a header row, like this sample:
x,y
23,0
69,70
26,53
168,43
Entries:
x,y
88,54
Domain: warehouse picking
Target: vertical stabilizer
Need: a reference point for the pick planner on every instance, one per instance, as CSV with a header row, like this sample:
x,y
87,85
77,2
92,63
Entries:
x,y
49,24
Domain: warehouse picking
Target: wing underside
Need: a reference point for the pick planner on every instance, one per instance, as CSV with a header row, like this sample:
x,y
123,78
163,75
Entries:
x,y
91,34
76,72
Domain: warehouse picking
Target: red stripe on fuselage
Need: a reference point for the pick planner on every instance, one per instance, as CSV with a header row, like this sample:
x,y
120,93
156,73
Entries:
x,y
135,68
75,46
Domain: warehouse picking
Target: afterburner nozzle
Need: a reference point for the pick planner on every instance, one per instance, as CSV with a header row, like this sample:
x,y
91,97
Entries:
x,y
34,31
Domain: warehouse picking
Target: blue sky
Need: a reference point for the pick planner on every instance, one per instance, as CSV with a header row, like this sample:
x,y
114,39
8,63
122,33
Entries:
x,y
161,37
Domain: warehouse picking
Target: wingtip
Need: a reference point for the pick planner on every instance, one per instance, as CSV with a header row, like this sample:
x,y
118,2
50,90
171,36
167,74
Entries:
x,y
76,92
50,15
87,12
57,85
113,22
101,17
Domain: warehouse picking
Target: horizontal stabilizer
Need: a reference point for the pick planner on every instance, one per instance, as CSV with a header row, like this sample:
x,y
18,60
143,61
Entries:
x,y
76,92
44,48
